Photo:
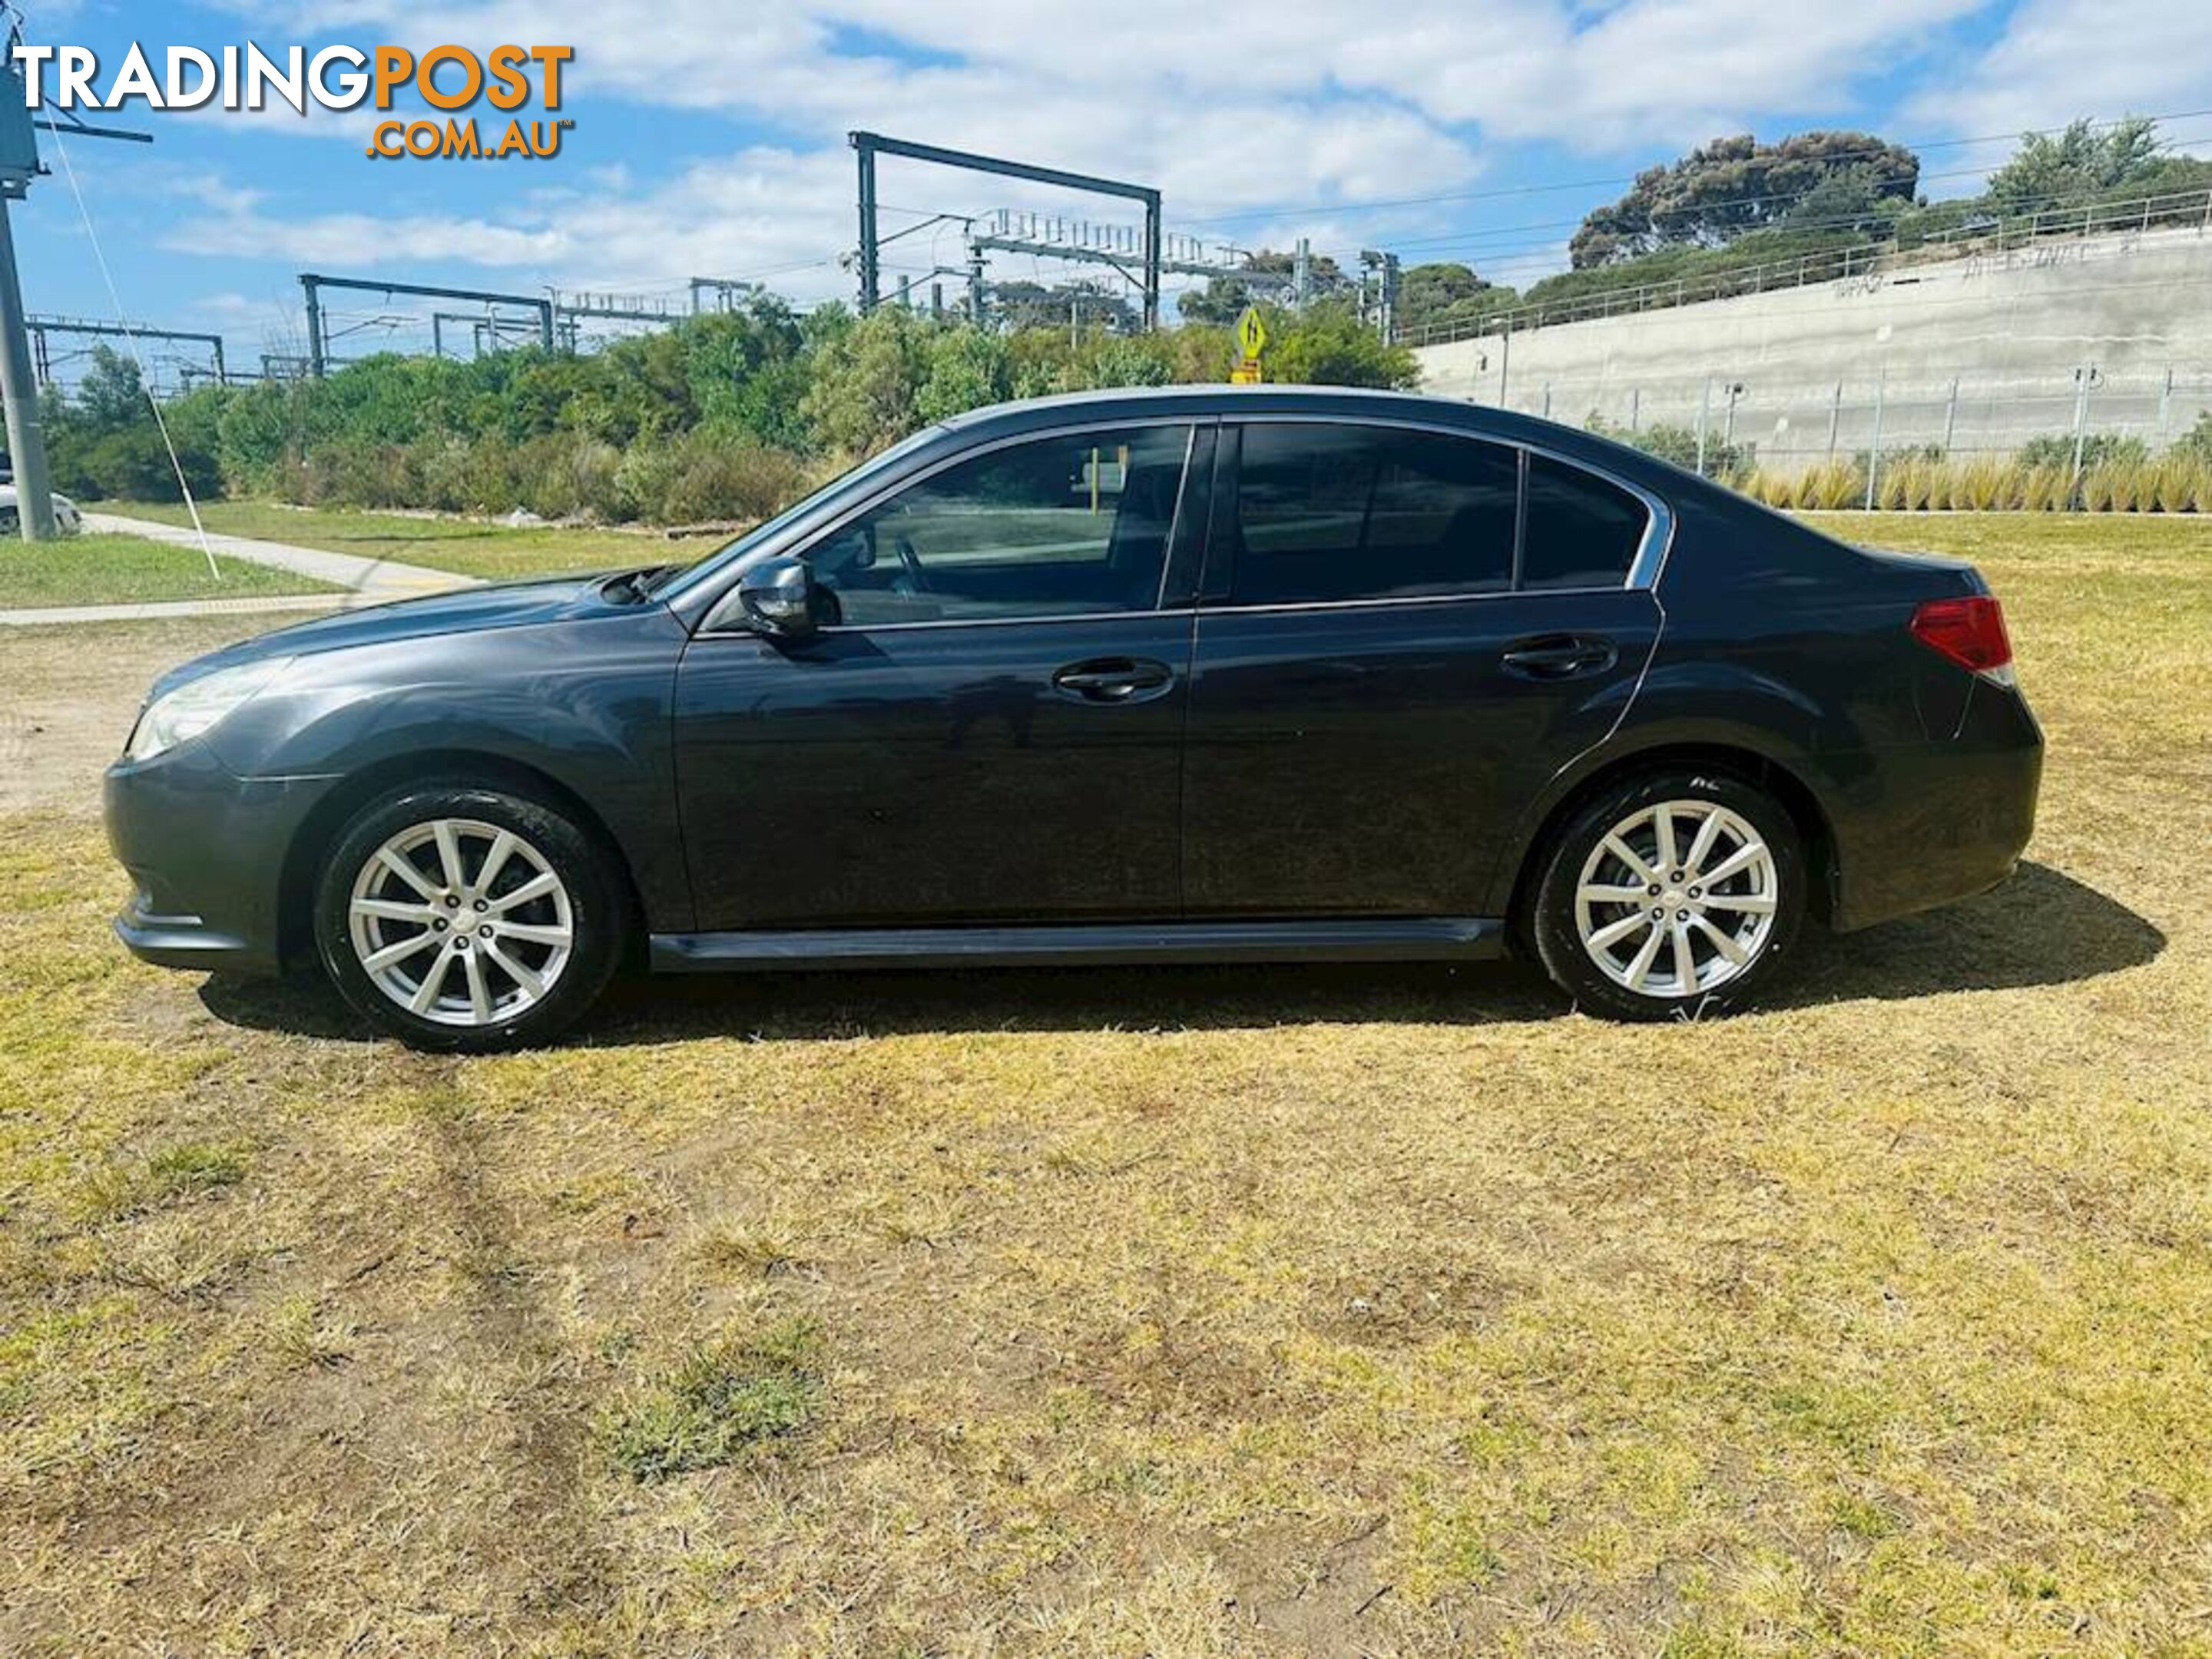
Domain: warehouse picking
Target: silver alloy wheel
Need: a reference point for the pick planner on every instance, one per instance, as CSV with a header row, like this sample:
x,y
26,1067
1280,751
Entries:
x,y
460,921
1677,899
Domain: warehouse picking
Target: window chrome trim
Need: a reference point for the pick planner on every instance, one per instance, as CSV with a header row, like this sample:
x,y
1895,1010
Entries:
x,y
1398,599
713,626
1644,570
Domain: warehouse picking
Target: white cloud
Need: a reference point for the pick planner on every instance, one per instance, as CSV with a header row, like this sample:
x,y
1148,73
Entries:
x,y
2059,59
1228,108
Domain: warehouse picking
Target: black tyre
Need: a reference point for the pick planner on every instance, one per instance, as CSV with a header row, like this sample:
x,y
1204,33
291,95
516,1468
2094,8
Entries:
x,y
1675,895
467,920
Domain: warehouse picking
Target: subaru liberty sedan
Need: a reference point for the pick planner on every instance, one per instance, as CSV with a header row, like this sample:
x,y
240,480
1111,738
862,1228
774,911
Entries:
x,y
1272,675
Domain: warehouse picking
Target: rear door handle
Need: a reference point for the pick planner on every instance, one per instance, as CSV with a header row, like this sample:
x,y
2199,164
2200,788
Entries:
x,y
1114,679
1559,657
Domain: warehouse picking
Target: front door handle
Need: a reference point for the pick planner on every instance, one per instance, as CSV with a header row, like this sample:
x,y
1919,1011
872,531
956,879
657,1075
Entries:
x,y
1559,657
1114,679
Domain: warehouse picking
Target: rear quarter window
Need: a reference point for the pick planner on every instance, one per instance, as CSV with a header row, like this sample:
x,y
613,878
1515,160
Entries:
x,y
1581,531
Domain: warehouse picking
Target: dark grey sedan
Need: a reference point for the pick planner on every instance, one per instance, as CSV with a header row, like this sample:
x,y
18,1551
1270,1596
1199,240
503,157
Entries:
x,y
1274,674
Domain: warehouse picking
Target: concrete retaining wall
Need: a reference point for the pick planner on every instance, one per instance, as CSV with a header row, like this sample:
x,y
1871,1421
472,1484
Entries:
x,y
1976,355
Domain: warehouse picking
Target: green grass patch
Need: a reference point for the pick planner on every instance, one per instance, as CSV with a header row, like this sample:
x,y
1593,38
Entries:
x,y
725,1398
97,569
469,547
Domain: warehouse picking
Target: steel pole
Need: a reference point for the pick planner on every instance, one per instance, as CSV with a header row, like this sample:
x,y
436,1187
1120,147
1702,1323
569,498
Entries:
x,y
1152,261
27,442
309,285
1874,455
2081,429
866,153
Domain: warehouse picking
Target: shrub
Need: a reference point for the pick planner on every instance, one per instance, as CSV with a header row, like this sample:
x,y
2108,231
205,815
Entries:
x,y
2098,449
1987,484
2047,489
1831,485
703,476
2196,443
1678,446
2179,484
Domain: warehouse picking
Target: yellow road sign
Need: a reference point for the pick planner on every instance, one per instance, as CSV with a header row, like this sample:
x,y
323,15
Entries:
x,y
1246,372
1251,332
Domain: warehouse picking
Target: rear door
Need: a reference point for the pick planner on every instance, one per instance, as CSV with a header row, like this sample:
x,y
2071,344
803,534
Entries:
x,y
990,729
1404,633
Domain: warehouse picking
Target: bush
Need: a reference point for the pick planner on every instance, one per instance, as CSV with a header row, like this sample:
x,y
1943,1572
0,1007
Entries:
x,y
2098,449
703,476
2196,443
1678,444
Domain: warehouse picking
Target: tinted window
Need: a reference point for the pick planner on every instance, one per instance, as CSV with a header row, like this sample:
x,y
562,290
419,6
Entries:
x,y
1582,532
1370,513
1053,526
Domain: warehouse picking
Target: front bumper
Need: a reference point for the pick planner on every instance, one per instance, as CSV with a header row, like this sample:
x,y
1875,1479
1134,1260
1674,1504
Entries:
x,y
206,850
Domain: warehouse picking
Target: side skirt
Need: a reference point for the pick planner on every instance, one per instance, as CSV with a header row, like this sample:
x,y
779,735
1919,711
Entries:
x,y
1422,939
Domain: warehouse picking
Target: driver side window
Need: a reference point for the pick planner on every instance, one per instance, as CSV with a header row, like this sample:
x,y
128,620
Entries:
x,y
1073,523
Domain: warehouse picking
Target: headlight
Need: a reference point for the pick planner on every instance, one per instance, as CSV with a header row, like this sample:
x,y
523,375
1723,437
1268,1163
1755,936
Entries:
x,y
197,705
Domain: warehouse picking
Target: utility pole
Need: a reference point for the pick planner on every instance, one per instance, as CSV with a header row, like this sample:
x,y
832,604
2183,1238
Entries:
x,y
1384,284
312,284
26,441
2084,378
19,387
866,153
867,146
42,353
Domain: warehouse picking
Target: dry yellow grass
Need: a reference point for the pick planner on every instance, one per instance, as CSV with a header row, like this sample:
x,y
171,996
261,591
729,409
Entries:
x,y
1177,1312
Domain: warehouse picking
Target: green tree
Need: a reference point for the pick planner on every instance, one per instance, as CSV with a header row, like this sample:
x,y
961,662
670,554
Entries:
x,y
112,394
2078,166
1021,304
968,370
1223,299
1722,189
865,377
1326,344
1444,295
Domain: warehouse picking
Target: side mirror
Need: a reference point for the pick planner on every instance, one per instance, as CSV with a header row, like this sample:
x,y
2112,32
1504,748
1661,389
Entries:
x,y
778,598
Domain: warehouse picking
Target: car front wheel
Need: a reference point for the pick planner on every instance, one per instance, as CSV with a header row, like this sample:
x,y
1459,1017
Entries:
x,y
469,920
1673,896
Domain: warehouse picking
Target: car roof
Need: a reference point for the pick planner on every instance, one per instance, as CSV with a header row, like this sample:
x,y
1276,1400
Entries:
x,y
1204,399
1316,402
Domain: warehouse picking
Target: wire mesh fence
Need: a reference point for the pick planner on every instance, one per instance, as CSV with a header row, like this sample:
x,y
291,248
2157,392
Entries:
x,y
1739,421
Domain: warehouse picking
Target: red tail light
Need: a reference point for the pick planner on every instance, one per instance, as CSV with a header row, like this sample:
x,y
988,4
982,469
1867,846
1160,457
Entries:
x,y
1970,632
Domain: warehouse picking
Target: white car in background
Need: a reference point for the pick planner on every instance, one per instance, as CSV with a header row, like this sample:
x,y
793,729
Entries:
x,y
67,519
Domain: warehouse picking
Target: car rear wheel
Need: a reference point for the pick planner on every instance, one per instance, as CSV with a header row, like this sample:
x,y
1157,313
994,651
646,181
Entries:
x,y
1673,896
467,919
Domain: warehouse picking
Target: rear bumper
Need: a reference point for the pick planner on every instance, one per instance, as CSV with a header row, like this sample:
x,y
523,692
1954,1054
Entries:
x,y
205,851
1933,824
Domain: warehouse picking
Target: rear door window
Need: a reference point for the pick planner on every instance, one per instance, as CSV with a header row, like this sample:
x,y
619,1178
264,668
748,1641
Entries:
x,y
1328,514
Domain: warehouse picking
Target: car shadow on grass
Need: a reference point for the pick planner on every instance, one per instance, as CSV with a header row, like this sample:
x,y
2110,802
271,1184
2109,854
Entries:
x,y
2042,927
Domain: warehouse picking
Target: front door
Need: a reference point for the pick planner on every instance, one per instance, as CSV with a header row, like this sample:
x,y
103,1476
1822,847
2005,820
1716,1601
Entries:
x,y
1406,633
990,727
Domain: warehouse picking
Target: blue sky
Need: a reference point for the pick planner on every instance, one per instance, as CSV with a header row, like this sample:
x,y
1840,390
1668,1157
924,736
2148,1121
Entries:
x,y
710,137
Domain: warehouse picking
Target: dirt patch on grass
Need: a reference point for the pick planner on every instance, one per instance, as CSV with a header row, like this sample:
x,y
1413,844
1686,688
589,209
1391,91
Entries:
x,y
68,695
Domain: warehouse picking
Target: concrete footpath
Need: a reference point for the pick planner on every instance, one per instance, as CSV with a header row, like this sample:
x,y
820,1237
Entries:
x,y
375,579
369,581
